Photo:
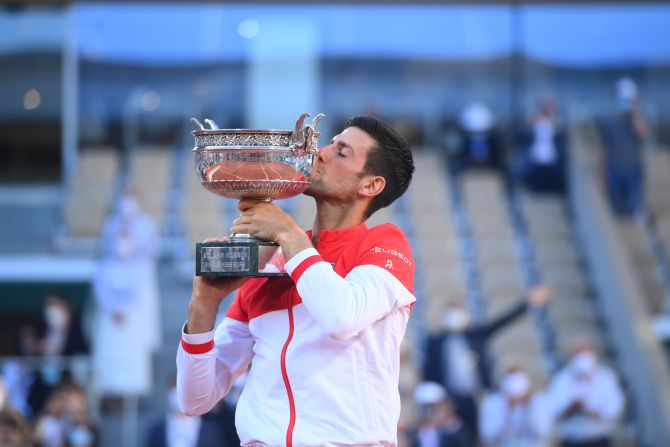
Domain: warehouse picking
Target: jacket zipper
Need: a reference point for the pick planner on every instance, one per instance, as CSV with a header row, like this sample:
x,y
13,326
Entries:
x,y
284,373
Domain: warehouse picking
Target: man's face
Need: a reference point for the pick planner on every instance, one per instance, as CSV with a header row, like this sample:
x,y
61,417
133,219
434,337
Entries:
x,y
338,170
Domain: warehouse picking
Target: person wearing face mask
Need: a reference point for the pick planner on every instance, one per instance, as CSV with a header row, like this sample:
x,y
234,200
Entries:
x,y
437,425
80,430
622,134
480,143
516,415
132,234
59,334
456,357
587,399
127,314
544,142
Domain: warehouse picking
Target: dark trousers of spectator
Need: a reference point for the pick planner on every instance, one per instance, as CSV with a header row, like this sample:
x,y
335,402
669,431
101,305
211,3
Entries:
x,y
545,178
466,408
600,442
625,191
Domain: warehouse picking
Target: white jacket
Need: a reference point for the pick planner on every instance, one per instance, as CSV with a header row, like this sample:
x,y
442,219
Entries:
x,y
323,345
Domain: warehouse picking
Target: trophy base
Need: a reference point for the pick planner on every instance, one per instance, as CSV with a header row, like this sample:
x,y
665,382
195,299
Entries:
x,y
241,256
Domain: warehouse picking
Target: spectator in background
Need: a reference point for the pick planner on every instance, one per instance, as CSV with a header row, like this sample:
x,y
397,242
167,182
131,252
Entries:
x,y
480,143
587,399
137,231
60,334
622,134
457,356
14,430
17,383
516,416
126,289
4,395
51,423
438,425
65,421
121,355
544,150
80,429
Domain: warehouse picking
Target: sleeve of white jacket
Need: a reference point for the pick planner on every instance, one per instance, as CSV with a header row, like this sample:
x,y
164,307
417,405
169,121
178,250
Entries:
x,y
209,363
345,306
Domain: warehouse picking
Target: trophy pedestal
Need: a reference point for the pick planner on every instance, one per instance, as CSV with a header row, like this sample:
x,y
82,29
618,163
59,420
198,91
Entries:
x,y
241,256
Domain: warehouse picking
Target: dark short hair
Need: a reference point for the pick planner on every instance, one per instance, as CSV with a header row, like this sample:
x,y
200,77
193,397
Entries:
x,y
391,158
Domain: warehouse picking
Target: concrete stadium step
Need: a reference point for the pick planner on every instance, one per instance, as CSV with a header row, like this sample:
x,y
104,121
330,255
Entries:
x,y
88,201
149,176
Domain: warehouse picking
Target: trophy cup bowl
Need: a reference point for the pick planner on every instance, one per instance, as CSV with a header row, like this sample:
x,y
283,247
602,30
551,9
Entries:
x,y
251,164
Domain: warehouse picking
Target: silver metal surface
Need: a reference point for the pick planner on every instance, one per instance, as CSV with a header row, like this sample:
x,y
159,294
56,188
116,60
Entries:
x,y
255,164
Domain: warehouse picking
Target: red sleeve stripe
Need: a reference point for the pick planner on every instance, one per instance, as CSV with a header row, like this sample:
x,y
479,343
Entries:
x,y
201,348
304,265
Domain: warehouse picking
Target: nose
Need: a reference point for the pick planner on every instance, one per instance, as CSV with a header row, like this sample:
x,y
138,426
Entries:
x,y
326,153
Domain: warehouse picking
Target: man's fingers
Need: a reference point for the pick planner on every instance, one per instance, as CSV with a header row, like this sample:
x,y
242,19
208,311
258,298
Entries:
x,y
246,204
217,239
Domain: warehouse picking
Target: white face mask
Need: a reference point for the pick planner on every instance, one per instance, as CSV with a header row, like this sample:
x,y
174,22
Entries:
x,y
456,319
129,206
80,437
584,363
55,316
516,384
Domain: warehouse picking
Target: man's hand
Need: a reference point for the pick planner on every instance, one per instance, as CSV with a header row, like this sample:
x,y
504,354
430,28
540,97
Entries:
x,y
539,296
208,293
267,221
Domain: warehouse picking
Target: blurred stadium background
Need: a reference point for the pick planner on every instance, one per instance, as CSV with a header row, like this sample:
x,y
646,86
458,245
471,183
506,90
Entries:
x,y
97,97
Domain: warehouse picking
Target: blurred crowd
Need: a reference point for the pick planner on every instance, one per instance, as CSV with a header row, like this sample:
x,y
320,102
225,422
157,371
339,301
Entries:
x,y
540,147
456,402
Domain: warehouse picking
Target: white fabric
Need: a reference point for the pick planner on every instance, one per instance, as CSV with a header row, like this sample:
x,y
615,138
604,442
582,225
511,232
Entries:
x,y
543,150
528,425
462,377
122,350
427,393
600,395
429,437
145,244
346,344
182,431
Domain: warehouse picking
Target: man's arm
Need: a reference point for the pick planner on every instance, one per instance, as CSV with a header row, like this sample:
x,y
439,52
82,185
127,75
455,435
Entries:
x,y
538,297
208,293
208,363
345,306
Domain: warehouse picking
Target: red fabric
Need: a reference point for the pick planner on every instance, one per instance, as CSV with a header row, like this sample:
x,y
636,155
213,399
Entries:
x,y
199,348
304,265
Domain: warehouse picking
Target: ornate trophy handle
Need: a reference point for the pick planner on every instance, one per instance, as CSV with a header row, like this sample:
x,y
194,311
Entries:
x,y
200,126
302,139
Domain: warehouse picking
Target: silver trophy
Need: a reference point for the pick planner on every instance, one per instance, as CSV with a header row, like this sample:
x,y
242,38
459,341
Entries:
x,y
251,164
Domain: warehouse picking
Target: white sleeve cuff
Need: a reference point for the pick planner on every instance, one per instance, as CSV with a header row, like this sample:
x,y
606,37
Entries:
x,y
295,261
196,339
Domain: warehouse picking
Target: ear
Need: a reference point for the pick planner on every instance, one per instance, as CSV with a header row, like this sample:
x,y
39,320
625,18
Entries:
x,y
371,185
